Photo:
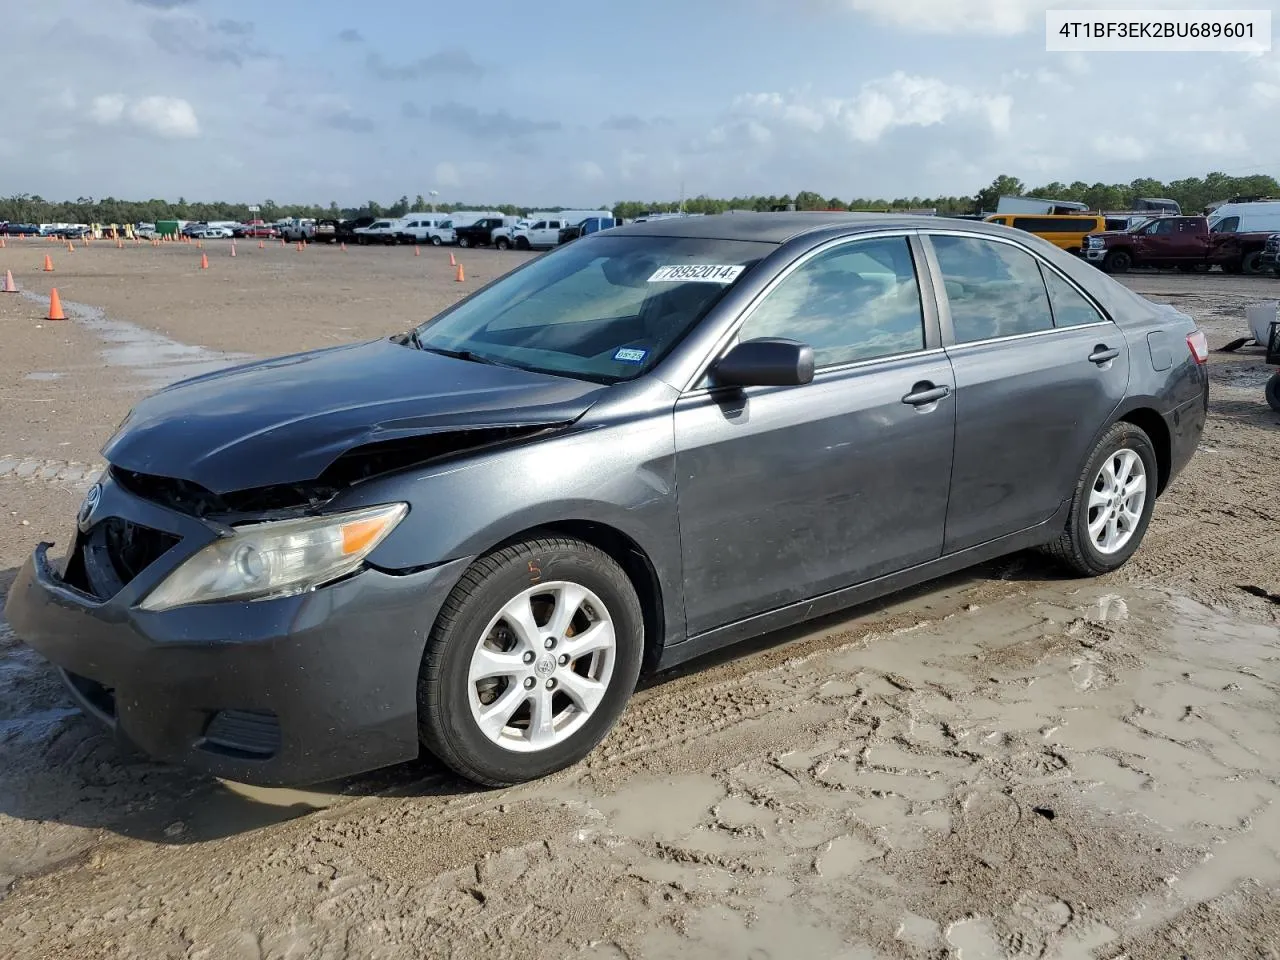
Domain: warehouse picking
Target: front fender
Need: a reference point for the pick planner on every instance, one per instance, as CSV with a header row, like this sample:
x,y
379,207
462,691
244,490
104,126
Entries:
x,y
619,476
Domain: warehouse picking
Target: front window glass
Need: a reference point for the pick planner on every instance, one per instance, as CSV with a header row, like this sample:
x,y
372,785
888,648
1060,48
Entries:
x,y
856,301
605,309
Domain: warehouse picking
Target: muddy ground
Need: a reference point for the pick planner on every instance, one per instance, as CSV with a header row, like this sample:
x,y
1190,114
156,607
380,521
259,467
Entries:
x,y
1005,764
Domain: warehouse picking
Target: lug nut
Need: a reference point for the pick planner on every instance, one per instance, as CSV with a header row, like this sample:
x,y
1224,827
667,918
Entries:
x,y
551,684
549,643
528,683
528,657
564,658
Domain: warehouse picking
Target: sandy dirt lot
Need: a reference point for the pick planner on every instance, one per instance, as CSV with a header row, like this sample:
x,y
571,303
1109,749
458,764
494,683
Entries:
x,y
1004,765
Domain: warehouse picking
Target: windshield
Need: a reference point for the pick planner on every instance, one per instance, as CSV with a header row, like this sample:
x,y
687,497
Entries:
x,y
605,309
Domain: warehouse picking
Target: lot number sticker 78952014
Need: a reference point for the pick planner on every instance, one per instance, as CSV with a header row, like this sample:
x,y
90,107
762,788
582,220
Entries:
x,y
696,273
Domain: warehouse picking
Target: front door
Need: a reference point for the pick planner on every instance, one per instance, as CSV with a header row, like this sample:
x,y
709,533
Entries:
x,y
1038,371
787,493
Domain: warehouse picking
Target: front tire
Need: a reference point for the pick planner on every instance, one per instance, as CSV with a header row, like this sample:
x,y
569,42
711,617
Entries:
x,y
464,242
1117,261
435,241
1251,264
502,243
522,243
1112,504
531,662
1273,392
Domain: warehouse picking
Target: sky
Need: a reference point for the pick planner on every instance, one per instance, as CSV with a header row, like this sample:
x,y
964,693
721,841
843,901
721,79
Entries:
x,y
575,104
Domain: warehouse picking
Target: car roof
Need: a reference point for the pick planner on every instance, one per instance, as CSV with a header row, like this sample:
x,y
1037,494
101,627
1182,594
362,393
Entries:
x,y
781,227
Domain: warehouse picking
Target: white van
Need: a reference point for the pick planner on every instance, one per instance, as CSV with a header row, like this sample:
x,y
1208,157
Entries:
x,y
1260,217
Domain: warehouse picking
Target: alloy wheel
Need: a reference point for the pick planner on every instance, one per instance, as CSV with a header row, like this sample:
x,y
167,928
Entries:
x,y
542,666
1116,501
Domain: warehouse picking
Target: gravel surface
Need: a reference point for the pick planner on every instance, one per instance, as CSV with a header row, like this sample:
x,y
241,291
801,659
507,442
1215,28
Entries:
x,y
1006,764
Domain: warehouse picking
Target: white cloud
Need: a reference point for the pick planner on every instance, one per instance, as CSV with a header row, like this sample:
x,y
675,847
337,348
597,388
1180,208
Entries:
x,y
899,100
168,117
588,170
107,109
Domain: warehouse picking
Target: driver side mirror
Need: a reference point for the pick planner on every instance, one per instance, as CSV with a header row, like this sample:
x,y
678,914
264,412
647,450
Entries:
x,y
765,362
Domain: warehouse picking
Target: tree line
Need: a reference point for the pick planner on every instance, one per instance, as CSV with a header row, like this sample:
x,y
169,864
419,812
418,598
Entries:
x,y
1194,194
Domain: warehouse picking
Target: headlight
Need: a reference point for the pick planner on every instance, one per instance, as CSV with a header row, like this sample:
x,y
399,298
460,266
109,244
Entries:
x,y
277,559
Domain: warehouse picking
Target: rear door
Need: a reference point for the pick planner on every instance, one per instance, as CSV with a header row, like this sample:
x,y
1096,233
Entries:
x,y
1038,370
786,493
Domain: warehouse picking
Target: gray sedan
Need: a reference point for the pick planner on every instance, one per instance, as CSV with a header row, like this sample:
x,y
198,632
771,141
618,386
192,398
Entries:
x,y
638,448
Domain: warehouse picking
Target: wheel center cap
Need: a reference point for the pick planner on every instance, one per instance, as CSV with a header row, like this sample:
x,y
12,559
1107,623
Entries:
x,y
545,666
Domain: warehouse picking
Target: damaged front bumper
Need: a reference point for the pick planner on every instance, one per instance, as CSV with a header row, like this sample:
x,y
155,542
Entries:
x,y
286,691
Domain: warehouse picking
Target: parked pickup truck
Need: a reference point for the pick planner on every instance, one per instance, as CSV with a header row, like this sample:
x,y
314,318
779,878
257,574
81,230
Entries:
x,y
1182,242
478,234
588,226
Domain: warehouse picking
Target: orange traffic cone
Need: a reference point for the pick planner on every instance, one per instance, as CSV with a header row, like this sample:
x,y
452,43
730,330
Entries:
x,y
1,243
9,285
119,244
204,261
262,245
460,276
48,264
233,248
55,306
199,244
416,251
344,246
301,246
452,262
70,246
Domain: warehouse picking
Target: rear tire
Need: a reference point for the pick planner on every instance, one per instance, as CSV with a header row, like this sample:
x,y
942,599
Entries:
x,y
435,241
1273,392
1107,523
502,243
568,599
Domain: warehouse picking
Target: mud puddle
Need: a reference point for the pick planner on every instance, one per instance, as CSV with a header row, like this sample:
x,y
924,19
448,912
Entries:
x,y
154,358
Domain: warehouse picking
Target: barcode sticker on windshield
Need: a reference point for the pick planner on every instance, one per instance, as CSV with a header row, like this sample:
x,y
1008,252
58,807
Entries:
x,y
696,273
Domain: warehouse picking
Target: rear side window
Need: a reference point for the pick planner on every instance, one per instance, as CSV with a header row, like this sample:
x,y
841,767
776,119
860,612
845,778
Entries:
x,y
857,301
994,289
1070,308
1056,224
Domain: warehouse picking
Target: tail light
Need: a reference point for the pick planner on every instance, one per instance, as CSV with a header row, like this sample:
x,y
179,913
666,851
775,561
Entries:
x,y
1198,346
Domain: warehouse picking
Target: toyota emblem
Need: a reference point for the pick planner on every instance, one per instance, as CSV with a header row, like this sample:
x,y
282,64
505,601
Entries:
x,y
90,504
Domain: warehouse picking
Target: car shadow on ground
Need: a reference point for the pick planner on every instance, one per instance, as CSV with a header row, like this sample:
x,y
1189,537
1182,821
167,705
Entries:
x,y
61,767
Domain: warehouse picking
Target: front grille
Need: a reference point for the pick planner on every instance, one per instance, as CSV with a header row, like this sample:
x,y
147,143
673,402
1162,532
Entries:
x,y
115,551
248,733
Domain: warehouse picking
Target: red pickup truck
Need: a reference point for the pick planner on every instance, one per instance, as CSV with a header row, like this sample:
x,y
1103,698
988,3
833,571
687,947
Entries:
x,y
1182,242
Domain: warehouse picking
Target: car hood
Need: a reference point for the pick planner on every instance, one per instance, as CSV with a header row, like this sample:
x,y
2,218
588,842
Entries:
x,y
286,419
1107,234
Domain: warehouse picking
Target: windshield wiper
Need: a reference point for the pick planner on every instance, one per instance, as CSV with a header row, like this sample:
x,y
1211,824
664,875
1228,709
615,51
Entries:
x,y
463,355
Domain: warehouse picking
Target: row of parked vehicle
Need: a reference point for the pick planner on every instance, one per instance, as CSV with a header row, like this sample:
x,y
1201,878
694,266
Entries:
x,y
539,231
1241,237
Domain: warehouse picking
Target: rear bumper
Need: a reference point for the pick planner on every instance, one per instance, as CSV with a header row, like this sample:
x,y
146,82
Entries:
x,y
277,692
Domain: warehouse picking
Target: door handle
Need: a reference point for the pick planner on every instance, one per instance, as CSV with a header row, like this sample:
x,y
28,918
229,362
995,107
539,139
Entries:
x,y
925,393
1102,353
